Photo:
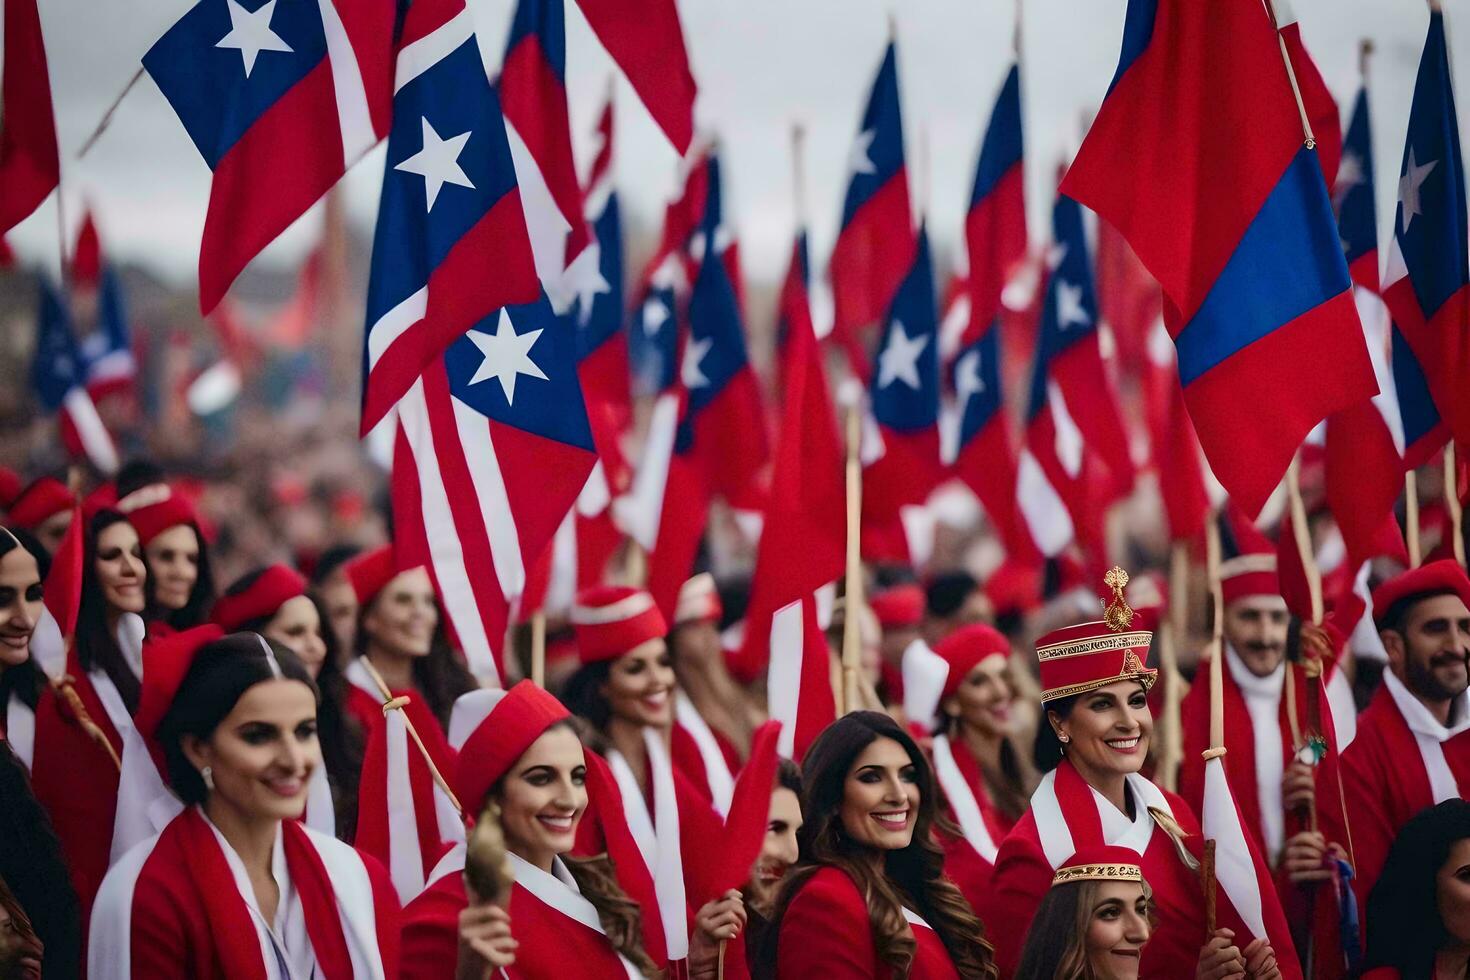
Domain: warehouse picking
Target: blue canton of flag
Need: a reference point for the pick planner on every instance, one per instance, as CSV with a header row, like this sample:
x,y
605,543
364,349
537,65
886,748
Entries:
x,y
602,317
1069,313
56,367
905,387
715,351
1357,222
976,378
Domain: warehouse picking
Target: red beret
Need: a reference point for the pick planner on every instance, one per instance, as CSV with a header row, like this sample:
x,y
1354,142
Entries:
x,y
156,508
369,572
902,605
1444,576
610,620
515,719
100,499
274,587
168,661
966,647
43,499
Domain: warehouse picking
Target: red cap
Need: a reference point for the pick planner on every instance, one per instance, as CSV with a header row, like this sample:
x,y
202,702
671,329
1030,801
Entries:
x,y
156,508
43,499
1251,570
966,647
168,661
100,499
699,601
610,620
369,572
1444,576
512,721
1099,862
1085,657
902,605
10,486
275,586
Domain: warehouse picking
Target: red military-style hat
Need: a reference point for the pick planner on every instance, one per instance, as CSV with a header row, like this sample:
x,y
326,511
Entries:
x,y
274,587
1085,657
494,729
900,606
156,508
610,620
1100,862
1436,578
169,660
966,647
42,499
1248,566
370,572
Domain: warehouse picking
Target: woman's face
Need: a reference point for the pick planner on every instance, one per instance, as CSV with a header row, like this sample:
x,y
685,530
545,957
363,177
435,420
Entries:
x,y
403,617
1452,885
543,796
880,797
298,627
1117,929
263,753
338,596
119,567
20,605
640,686
779,849
983,699
1108,729
173,559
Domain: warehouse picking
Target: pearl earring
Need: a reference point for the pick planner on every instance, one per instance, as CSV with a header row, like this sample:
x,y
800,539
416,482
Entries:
x,y
208,776
1064,739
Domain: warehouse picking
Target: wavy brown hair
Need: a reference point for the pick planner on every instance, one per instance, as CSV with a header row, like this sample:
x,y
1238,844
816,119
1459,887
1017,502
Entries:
x,y
912,876
1055,946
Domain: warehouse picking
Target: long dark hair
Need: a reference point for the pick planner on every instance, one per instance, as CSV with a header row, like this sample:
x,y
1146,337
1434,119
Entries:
x,y
912,876
337,730
1405,927
95,643
582,694
219,676
1048,752
23,680
1054,948
440,676
196,610
1005,782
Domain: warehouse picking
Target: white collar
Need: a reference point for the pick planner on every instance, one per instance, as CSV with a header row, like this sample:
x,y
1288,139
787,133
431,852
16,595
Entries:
x,y
556,889
1117,829
1417,716
357,676
1251,686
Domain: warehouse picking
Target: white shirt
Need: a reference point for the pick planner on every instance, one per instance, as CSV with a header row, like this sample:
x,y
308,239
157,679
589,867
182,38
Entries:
x,y
1262,697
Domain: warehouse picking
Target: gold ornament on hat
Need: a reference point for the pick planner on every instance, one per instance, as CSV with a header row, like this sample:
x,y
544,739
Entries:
x,y
1117,614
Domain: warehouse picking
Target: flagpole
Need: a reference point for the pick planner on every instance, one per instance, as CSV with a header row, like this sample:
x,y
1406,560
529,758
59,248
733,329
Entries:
x,y
1172,632
853,593
1308,138
106,120
1452,502
1411,516
391,703
538,648
798,174
1303,536
1217,700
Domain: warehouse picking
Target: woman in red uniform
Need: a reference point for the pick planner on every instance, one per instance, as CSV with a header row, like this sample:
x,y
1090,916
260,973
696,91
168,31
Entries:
x,y
870,899
274,602
234,886
568,917
1093,741
1094,921
180,584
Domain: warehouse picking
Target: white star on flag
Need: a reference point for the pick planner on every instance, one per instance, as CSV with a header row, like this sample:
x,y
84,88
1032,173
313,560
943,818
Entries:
x,y
1070,310
858,160
690,371
1409,184
507,355
250,33
900,359
437,162
967,380
655,315
1349,174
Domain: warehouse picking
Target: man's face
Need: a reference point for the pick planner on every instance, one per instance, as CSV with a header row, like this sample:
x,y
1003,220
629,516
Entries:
x,y
1255,626
1431,651
778,850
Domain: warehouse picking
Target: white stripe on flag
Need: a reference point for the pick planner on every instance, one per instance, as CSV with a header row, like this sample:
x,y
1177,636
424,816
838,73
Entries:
x,y
1376,322
445,548
1234,867
352,105
783,676
94,435
406,862
1041,506
545,223
639,512
494,501
394,323
423,54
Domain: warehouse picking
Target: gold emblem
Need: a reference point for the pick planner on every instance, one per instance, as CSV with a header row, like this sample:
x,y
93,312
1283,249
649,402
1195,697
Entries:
x,y
1117,614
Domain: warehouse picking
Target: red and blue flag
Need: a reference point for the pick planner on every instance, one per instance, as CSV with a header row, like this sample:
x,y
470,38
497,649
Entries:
x,y
1197,157
646,40
58,377
995,225
451,245
1427,281
30,166
280,98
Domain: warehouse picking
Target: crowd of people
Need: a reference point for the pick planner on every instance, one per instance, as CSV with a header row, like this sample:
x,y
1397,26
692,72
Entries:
x,y
295,775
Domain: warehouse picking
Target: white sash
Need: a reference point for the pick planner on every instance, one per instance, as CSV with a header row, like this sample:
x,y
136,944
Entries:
x,y
1056,835
962,799
1430,735
321,813
716,771
357,675
20,731
112,702
657,836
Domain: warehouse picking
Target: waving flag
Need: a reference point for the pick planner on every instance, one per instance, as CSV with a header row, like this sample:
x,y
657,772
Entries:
x,y
1321,108
57,375
493,448
451,245
107,352
1196,156
1427,283
995,227
1173,446
534,98
645,39
904,390
875,244
30,167
1364,442
803,540
280,99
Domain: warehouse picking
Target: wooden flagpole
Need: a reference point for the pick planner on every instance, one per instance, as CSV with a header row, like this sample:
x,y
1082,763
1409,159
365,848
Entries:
x,y
1303,536
391,703
538,648
853,593
1411,517
1172,631
1217,700
1452,502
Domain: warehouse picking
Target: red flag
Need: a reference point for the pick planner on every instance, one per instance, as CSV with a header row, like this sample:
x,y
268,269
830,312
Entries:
x,y
645,39
1177,459
718,869
30,166
86,261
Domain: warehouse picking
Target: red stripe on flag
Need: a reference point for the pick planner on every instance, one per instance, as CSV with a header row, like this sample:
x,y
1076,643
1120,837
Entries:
x,y
645,39
995,235
872,255
542,480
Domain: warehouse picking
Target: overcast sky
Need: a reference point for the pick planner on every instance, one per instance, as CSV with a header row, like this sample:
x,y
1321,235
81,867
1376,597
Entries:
x,y
761,66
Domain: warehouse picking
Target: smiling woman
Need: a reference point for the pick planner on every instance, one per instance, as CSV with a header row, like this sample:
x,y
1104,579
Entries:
x,y
1094,921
